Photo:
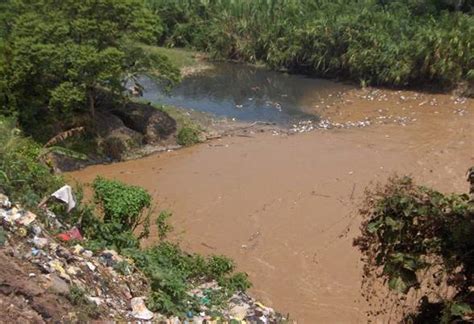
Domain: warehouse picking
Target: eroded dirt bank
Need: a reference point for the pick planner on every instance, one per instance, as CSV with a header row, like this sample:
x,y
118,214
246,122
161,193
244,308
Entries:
x,y
285,207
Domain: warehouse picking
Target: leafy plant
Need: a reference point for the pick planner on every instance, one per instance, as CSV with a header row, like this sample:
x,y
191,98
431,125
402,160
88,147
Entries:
x,y
22,176
121,203
414,234
163,225
188,136
173,273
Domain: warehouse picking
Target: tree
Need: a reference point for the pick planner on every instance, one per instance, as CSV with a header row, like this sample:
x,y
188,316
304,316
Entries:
x,y
57,56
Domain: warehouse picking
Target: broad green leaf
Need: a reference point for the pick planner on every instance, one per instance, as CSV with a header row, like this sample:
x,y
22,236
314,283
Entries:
x,y
398,284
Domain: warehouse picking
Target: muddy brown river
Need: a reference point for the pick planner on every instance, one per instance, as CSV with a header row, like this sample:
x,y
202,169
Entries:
x,y
285,207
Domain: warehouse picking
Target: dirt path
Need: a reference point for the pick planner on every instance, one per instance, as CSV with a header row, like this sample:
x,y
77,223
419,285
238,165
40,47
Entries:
x,y
285,207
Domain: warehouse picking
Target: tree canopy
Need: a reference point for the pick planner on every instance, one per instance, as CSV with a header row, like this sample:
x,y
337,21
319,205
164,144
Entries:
x,y
56,56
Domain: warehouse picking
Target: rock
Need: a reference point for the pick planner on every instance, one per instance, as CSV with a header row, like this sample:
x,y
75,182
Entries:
x,y
116,137
153,123
64,163
139,309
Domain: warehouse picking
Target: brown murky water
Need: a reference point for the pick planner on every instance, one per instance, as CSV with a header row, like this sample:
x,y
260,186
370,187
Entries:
x,y
285,207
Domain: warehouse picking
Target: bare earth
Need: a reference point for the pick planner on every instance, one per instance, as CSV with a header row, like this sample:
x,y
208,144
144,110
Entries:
x,y
285,207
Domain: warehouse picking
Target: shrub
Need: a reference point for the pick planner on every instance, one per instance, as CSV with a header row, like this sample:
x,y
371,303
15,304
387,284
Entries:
x,y
162,224
121,203
188,136
173,273
124,208
409,228
22,176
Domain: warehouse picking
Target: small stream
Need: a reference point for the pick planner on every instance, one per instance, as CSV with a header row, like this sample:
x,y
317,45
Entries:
x,y
249,93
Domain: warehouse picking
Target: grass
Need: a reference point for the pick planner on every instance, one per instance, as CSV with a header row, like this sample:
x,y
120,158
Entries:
x,y
188,130
179,57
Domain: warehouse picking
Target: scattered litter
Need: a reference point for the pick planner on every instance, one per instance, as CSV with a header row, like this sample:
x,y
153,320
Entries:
x,y
35,251
5,202
139,309
97,274
40,242
26,218
65,195
72,234
91,266
96,300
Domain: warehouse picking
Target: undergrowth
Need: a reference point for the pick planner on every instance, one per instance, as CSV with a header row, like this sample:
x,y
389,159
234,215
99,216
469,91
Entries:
x,y
188,136
420,239
376,42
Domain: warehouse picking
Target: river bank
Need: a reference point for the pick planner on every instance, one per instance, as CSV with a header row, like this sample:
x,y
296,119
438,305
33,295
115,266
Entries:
x,y
285,207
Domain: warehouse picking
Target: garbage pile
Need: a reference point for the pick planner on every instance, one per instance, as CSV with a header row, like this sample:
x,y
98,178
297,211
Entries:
x,y
67,266
109,281
241,308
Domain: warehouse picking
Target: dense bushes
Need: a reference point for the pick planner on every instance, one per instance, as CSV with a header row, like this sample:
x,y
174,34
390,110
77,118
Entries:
x,y
187,136
22,177
399,42
171,271
57,57
420,239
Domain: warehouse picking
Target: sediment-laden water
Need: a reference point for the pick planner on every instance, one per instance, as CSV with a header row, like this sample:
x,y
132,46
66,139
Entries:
x,y
285,207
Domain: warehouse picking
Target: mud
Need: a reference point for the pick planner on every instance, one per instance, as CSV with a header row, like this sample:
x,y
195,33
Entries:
x,y
24,296
285,207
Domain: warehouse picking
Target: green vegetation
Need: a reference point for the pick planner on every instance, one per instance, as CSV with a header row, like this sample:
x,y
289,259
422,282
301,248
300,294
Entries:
x,y
398,42
162,224
188,136
171,270
119,219
120,202
22,177
421,240
179,57
56,58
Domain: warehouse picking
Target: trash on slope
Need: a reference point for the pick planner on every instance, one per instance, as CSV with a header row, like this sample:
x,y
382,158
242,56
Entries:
x,y
65,195
117,293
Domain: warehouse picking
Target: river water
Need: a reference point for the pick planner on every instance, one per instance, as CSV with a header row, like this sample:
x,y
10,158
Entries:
x,y
286,207
249,93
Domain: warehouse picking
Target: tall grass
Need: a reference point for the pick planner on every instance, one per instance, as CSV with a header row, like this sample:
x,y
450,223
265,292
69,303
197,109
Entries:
x,y
398,42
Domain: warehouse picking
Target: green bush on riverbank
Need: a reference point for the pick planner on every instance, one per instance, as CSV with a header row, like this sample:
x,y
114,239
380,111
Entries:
x,y
397,43
415,238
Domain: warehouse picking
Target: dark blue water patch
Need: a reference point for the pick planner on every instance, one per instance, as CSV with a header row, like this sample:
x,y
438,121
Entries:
x,y
246,93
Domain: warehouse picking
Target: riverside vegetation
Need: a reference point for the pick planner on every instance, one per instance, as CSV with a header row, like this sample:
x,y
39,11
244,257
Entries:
x,y
118,219
421,240
58,58
376,42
